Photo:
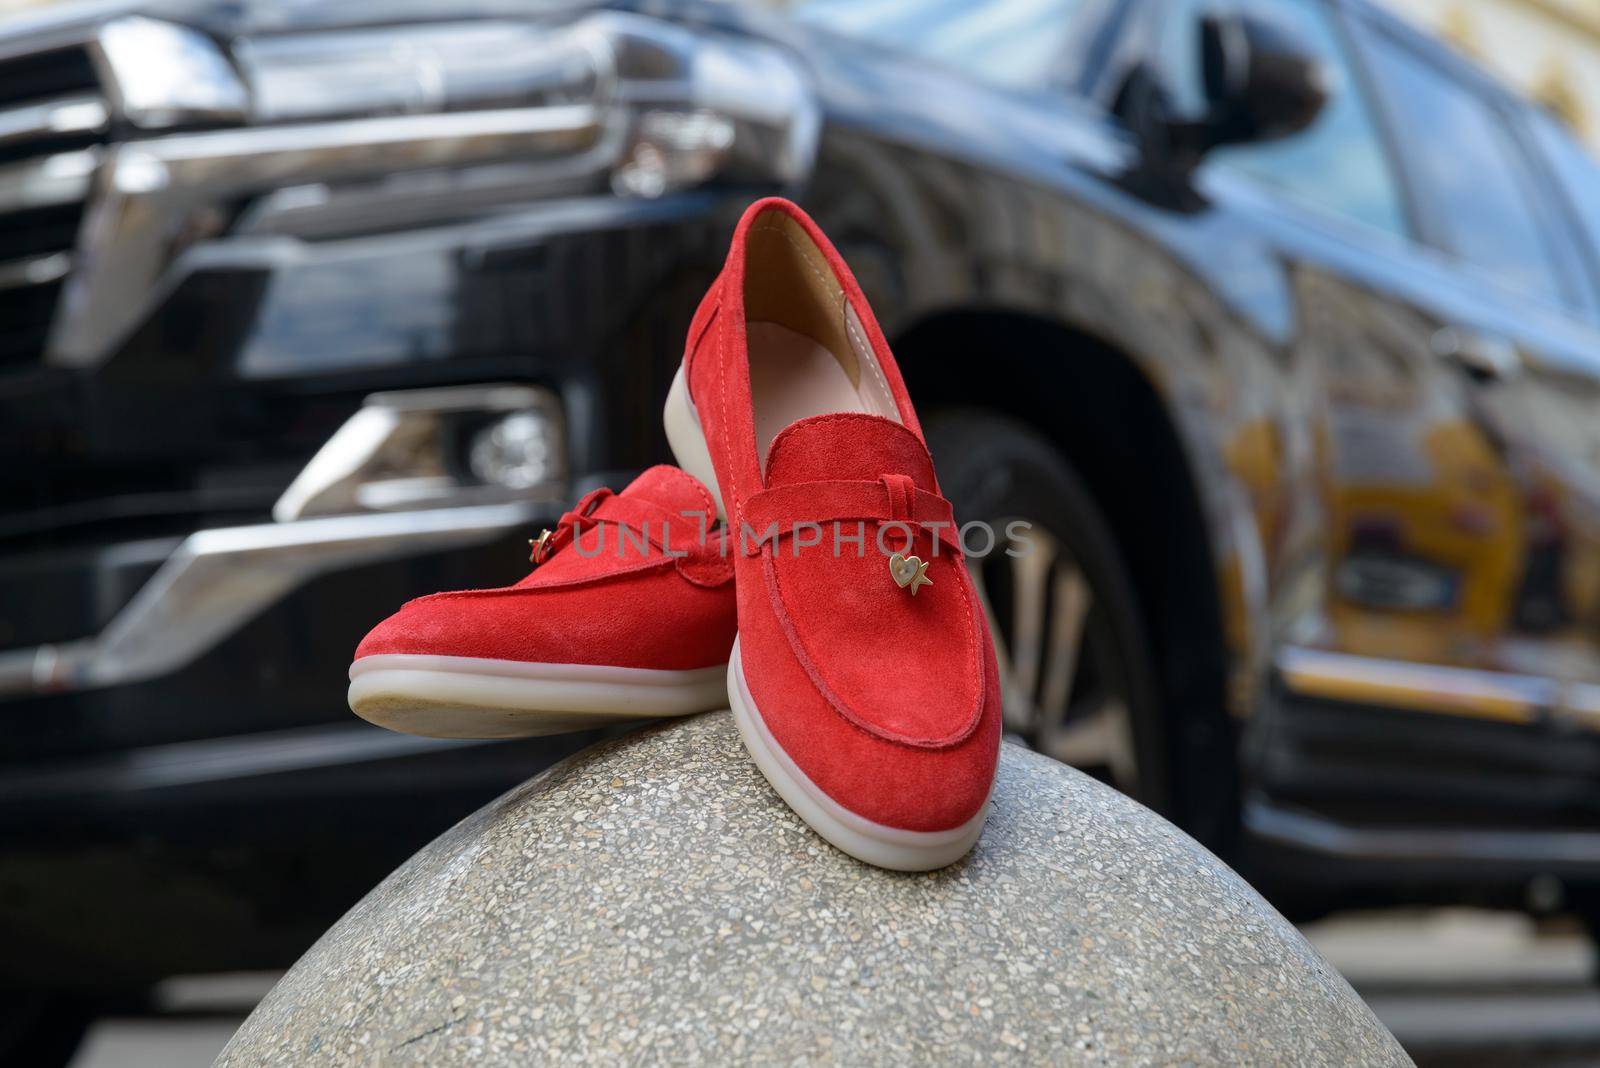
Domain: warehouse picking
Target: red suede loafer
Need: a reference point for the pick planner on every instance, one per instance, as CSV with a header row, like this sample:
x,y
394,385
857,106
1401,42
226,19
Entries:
x,y
629,612
863,679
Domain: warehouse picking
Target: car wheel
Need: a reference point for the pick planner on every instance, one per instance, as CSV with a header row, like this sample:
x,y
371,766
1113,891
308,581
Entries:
x,y
1075,667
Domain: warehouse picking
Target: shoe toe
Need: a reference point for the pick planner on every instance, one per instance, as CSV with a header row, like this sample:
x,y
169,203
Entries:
x,y
441,625
886,782
916,789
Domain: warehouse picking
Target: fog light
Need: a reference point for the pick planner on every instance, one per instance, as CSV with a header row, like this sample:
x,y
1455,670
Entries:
x,y
436,448
516,451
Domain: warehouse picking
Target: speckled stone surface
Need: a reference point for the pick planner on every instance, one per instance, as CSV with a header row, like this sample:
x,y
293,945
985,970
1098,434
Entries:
x,y
651,900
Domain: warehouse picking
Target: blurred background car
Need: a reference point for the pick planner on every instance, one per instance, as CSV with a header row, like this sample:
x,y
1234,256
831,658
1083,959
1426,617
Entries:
x,y
1290,319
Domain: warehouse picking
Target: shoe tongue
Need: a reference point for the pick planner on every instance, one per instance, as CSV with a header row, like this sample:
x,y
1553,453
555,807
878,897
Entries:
x,y
671,488
847,446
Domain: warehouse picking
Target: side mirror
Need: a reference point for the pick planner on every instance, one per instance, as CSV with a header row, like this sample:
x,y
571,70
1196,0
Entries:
x,y
1262,81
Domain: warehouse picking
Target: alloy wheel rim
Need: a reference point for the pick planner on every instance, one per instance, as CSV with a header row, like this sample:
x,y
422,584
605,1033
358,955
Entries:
x,y
1060,675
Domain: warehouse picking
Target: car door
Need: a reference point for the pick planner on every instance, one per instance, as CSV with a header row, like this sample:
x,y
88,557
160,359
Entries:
x,y
1564,431
1511,304
1410,558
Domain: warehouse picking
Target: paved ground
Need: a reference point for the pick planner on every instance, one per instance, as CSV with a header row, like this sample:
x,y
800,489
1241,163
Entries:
x,y
1460,989
201,1014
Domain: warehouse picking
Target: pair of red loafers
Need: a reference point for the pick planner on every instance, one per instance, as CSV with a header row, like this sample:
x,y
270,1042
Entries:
x,y
831,610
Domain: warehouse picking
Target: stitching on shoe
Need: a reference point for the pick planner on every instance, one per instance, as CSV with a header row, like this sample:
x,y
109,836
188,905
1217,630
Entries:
x,y
721,571
837,417
693,350
699,488
783,232
560,584
731,490
850,715
872,354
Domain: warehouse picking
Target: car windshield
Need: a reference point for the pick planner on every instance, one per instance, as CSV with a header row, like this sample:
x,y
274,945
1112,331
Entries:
x,y
1006,42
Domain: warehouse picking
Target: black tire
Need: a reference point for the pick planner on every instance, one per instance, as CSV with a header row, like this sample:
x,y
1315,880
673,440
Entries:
x,y
996,469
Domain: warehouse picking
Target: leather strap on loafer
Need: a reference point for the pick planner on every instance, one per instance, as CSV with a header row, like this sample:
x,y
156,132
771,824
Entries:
x,y
773,514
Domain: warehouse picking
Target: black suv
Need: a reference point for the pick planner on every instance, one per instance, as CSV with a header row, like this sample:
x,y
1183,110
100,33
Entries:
x,y
1279,322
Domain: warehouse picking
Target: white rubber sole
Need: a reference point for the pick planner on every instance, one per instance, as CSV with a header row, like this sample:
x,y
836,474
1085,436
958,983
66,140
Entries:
x,y
688,441
470,697
875,843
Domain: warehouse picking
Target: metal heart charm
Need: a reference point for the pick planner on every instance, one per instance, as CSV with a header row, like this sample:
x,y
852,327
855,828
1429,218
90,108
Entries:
x,y
909,572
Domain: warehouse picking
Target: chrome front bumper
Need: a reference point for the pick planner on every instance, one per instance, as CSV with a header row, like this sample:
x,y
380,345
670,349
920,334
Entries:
x,y
392,452
217,580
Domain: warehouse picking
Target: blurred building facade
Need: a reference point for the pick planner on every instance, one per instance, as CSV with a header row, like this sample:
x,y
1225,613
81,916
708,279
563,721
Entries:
x,y
1549,49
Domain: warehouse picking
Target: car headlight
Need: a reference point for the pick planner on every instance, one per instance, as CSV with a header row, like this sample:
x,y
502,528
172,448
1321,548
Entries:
x,y
433,448
321,133
412,69
518,451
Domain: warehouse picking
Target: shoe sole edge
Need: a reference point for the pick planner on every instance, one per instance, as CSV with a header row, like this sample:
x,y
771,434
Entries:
x,y
465,697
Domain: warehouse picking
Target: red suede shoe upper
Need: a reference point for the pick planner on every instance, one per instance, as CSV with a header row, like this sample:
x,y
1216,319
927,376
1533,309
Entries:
x,y
843,616
888,702
608,592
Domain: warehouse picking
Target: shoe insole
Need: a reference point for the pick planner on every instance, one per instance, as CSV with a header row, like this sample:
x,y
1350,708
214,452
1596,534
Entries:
x,y
794,377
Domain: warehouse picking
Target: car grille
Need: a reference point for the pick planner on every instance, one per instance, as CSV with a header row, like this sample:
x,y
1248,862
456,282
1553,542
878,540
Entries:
x,y
53,117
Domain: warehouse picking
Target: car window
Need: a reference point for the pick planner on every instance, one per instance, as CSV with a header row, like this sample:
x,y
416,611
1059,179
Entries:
x,y
1473,181
1576,170
1015,43
1337,164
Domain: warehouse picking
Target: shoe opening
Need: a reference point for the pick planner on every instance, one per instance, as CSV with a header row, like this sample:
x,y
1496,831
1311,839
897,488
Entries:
x,y
809,353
